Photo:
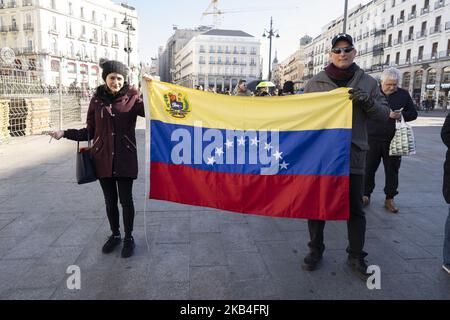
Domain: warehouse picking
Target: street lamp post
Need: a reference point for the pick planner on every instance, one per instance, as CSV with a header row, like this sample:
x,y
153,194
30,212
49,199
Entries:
x,y
270,34
345,16
127,22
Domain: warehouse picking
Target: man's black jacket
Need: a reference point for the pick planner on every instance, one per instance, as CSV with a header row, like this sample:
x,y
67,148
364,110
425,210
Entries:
x,y
385,131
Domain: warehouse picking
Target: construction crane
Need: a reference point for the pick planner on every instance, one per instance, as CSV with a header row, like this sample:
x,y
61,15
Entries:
x,y
213,9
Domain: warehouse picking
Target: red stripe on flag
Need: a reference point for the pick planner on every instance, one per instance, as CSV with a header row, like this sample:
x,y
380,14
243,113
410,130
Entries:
x,y
290,196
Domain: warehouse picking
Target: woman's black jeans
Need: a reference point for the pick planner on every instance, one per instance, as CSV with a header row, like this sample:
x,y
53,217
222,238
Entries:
x,y
124,186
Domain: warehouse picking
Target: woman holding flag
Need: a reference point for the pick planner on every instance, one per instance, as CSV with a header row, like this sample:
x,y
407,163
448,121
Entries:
x,y
111,123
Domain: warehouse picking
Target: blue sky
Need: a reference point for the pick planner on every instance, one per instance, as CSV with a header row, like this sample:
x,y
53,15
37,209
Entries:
x,y
292,18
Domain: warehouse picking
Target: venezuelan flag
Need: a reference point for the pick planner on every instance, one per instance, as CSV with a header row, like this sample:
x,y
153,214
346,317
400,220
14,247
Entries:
x,y
276,156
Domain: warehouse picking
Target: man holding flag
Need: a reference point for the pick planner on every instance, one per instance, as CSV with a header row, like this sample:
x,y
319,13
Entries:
x,y
368,103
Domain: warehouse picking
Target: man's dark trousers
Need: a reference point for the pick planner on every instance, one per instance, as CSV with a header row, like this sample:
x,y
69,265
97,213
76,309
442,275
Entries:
x,y
356,225
380,150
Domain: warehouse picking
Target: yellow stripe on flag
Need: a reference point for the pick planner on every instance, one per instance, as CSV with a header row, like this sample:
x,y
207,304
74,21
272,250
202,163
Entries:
x,y
317,111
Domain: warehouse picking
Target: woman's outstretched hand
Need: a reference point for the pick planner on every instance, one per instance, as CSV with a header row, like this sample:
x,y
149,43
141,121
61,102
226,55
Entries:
x,y
56,134
147,77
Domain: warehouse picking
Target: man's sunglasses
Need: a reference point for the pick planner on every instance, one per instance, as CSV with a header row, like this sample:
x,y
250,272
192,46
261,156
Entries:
x,y
340,50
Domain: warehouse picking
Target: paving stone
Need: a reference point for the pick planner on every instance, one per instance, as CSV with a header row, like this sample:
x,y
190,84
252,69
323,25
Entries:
x,y
209,283
206,249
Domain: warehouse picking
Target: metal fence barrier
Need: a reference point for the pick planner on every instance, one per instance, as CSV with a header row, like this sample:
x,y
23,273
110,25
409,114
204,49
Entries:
x,y
28,106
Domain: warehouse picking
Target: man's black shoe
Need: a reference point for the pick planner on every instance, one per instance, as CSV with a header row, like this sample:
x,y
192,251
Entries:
x,y
359,267
128,247
113,241
311,261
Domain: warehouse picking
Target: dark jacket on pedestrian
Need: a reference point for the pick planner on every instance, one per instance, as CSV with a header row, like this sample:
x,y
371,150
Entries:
x,y
380,110
111,123
445,135
385,131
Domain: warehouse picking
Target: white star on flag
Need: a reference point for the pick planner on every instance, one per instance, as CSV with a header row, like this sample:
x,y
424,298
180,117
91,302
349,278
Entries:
x,y
241,141
219,152
277,155
211,161
255,141
284,165
229,144
268,146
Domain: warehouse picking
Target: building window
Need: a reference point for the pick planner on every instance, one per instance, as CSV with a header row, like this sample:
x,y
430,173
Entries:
x,y
71,67
54,65
408,56
434,49
431,77
418,79
420,54
406,80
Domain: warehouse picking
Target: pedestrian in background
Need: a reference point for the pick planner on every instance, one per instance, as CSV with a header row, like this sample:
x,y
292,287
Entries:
x,y
288,88
111,123
368,102
241,89
380,136
445,135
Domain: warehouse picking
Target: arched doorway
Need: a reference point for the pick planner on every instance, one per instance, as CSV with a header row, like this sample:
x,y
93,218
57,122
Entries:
x,y
406,80
417,86
445,88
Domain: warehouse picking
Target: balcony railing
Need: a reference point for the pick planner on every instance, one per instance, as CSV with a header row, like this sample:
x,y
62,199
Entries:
x,y
421,34
424,10
202,62
14,28
21,51
93,40
390,24
436,29
439,4
411,16
27,3
12,4
409,37
424,58
400,20
444,54
28,27
53,30
398,41
4,29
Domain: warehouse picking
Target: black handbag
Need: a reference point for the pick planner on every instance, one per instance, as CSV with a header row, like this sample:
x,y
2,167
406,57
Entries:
x,y
85,165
